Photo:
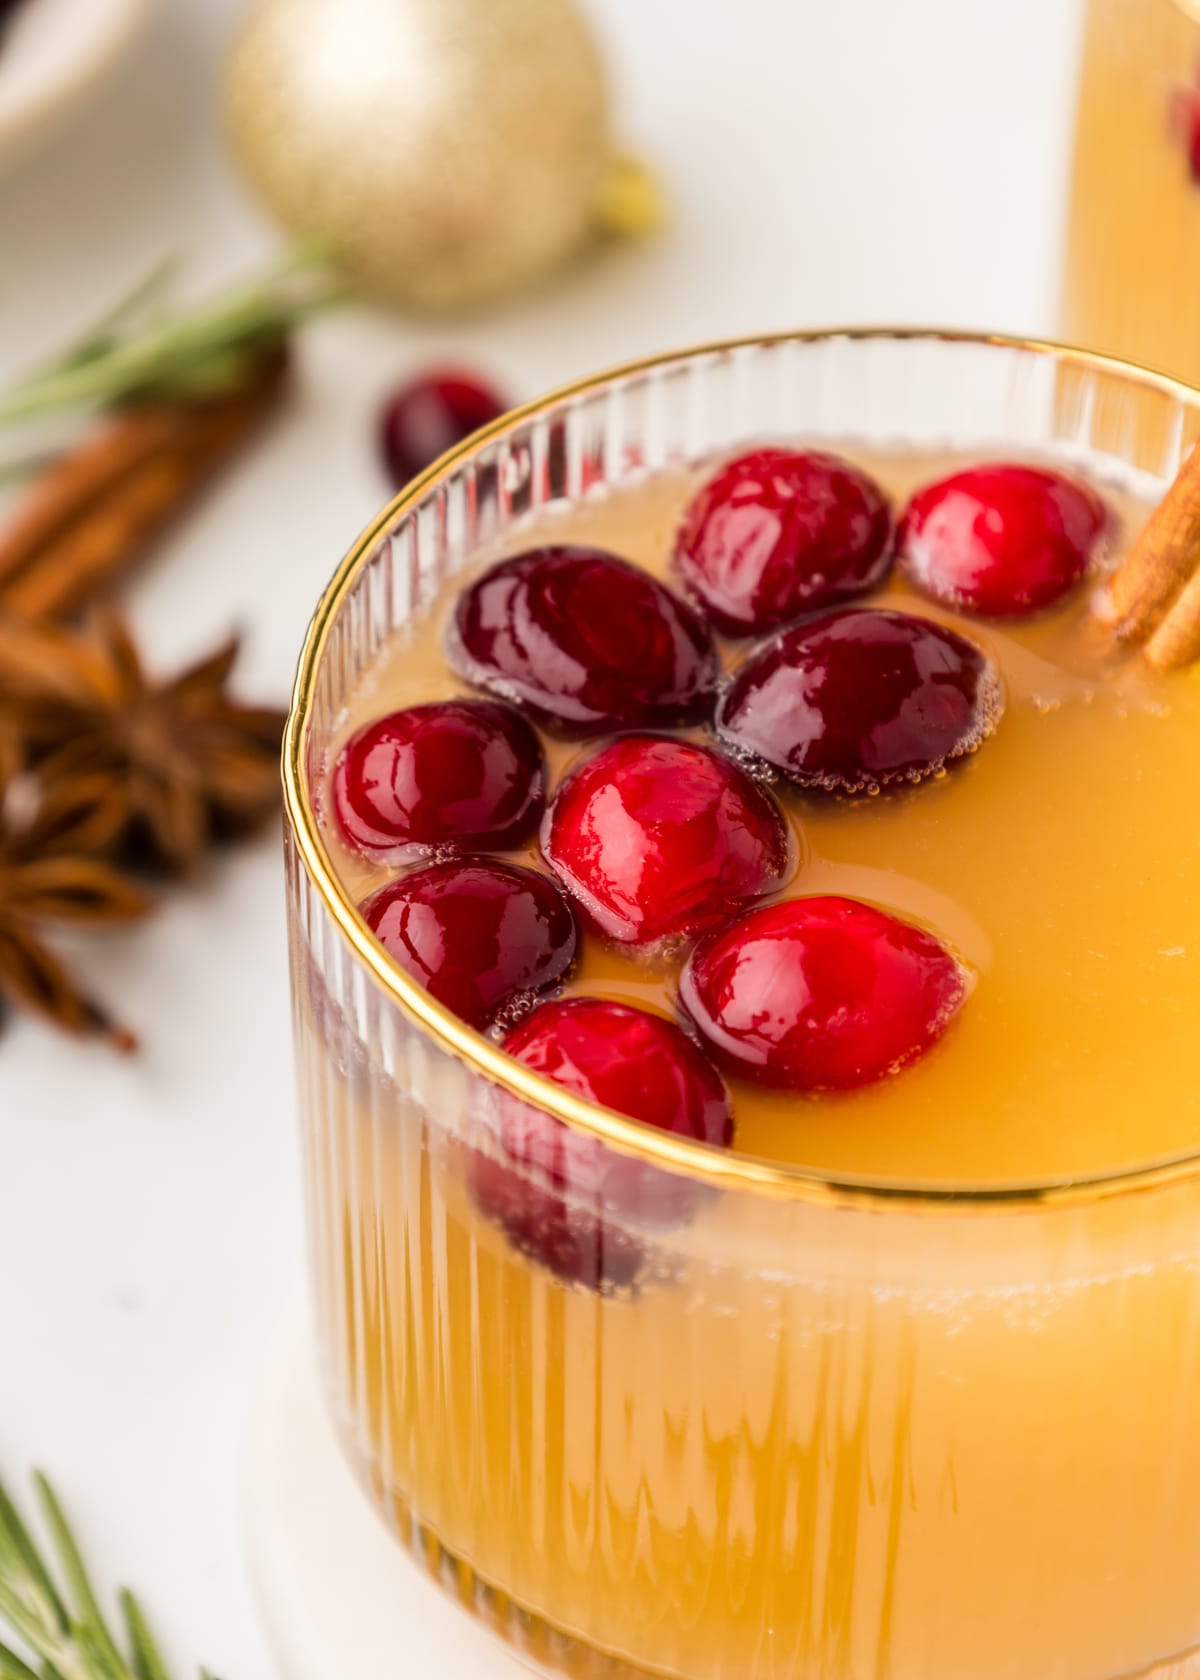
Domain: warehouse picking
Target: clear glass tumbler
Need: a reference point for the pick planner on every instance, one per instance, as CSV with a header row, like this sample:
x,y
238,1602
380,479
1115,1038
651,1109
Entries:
x,y
838,1430
1132,283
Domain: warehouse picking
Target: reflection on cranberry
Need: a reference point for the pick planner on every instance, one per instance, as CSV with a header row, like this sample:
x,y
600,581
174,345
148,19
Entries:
x,y
1001,541
467,773
860,699
583,642
567,1199
779,532
820,994
657,838
479,935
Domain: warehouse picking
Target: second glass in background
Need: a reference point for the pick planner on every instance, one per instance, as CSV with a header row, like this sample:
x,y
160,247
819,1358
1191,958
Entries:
x,y
1132,283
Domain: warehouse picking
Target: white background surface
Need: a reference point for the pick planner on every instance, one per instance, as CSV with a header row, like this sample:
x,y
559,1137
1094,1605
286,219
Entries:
x,y
51,61
848,160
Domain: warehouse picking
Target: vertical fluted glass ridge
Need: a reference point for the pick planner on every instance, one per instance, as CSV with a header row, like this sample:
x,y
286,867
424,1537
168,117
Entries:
x,y
811,1440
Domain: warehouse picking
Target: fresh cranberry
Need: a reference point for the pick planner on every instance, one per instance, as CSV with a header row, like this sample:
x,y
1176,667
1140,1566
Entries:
x,y
584,641
480,936
861,698
429,415
780,532
656,838
567,1198
820,994
466,773
1000,540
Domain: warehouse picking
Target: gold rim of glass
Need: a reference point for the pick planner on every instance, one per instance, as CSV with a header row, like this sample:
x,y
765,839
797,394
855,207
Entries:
x,y
721,1168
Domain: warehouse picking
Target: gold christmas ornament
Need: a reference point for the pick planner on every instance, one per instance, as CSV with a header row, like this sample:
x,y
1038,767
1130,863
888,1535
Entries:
x,y
449,150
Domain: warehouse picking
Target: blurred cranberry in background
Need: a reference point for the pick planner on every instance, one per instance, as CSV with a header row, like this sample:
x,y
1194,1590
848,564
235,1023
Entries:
x,y
430,414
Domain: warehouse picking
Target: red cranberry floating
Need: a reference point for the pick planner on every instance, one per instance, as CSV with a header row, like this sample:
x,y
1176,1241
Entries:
x,y
479,935
467,773
1000,540
780,532
820,994
860,699
584,642
655,838
429,415
566,1198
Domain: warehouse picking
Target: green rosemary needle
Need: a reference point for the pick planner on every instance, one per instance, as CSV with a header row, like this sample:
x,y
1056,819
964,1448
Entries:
x,y
58,1624
141,349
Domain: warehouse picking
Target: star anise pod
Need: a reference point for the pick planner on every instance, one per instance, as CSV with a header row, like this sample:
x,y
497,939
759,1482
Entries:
x,y
147,771
39,884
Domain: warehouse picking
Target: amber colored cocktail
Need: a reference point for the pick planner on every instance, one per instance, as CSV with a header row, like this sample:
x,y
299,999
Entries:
x,y
1132,282
912,1390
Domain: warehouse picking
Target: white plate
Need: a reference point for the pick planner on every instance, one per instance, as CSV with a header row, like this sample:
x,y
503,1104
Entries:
x,y
336,1593
52,54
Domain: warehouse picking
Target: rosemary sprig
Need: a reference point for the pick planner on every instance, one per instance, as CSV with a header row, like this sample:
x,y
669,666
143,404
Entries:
x,y
59,1624
141,303
140,349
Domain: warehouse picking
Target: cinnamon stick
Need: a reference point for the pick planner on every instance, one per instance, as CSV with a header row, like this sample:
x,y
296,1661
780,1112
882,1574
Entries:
x,y
90,518
60,493
1176,642
1153,598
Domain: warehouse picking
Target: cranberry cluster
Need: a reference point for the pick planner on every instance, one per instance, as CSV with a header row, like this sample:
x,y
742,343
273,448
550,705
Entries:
x,y
660,843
